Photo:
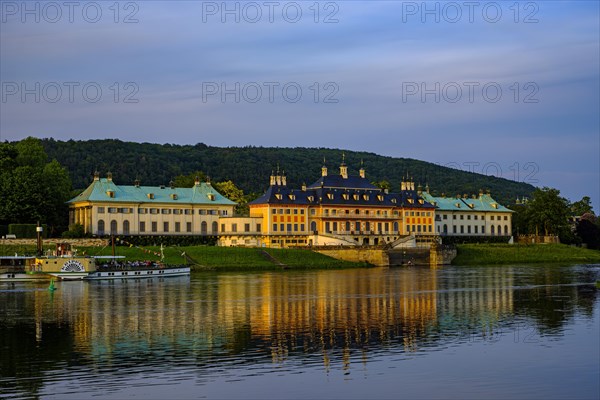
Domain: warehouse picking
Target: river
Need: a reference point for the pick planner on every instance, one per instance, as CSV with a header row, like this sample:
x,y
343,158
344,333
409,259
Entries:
x,y
381,333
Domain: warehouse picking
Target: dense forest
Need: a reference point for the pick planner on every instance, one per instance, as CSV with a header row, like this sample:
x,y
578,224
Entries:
x,y
249,167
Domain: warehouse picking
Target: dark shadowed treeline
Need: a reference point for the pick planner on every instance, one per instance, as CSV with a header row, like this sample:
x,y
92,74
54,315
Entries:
x,y
249,167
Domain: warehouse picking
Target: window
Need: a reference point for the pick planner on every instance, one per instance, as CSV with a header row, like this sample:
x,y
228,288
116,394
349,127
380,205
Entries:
x,y
246,227
475,227
113,227
444,216
327,227
288,211
492,217
233,227
483,229
142,226
462,229
142,210
204,228
188,212
468,228
154,211
357,226
177,226
295,227
454,229
126,227
112,210
258,228
165,227
468,217
475,217
335,227
100,210
295,211
453,216
281,227
177,211
100,227
302,227
302,212
313,226
165,211
274,227
462,217
347,226
154,226
215,227
222,227
506,218
313,211
188,226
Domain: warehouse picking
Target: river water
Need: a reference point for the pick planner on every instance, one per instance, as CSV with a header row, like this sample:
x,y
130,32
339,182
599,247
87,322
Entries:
x,y
453,332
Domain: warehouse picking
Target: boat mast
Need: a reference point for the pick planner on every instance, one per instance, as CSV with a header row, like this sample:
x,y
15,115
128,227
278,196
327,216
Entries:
x,y
39,231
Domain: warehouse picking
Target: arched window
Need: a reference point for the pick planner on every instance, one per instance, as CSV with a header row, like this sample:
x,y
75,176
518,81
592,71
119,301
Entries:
x,y
215,227
126,227
506,230
396,226
492,229
100,227
113,227
313,226
499,230
445,229
204,228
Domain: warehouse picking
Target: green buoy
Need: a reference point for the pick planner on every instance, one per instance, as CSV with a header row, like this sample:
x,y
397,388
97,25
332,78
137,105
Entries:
x,y
51,288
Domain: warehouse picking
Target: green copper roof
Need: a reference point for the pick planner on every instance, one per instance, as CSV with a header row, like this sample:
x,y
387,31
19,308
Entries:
x,y
105,190
484,202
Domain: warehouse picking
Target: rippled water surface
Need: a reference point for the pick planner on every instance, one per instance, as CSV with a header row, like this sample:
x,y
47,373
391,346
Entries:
x,y
485,332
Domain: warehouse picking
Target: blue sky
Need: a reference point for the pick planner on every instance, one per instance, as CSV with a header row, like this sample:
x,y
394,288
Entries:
x,y
403,79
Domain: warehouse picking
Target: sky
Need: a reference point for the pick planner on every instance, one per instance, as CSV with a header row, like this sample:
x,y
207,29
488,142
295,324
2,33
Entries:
x,y
507,89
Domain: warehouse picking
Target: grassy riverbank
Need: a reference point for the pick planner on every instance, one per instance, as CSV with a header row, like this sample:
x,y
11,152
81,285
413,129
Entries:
x,y
481,254
213,257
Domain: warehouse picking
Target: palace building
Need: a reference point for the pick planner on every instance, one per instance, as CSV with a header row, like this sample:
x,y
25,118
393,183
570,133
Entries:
x,y
470,216
107,208
337,209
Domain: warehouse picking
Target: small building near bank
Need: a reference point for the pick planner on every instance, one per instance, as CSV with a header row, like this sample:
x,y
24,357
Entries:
x,y
476,215
105,208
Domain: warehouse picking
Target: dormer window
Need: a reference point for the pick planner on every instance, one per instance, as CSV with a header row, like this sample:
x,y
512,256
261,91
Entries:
x,y
411,201
345,196
110,193
211,196
356,197
471,205
380,197
394,201
421,201
278,196
366,197
150,196
292,197
174,196
311,198
495,205
457,205
330,196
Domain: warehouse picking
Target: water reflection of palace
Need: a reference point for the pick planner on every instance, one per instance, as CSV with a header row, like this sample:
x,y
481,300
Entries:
x,y
280,313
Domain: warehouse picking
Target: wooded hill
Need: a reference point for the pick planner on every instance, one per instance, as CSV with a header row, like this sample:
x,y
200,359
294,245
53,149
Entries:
x,y
250,167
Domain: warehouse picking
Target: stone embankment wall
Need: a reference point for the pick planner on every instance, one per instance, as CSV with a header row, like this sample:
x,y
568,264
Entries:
x,y
371,255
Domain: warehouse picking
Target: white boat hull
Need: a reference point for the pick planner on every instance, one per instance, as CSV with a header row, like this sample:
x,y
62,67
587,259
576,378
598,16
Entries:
x,y
139,274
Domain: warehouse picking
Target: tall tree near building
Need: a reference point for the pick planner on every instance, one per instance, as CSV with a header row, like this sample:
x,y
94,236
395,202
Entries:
x,y
547,213
31,188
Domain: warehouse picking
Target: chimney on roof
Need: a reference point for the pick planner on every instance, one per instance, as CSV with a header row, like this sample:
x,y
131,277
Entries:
x,y
109,176
272,182
303,186
283,179
96,175
361,171
136,183
323,170
172,184
197,181
420,190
